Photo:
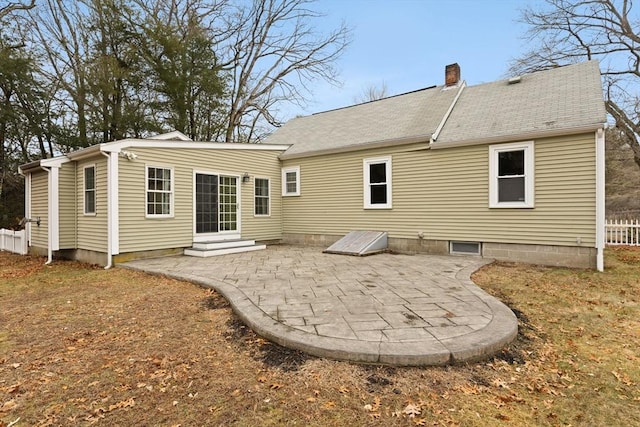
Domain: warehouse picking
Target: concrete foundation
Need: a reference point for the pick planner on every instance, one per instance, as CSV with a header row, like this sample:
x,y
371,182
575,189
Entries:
x,y
557,256
130,256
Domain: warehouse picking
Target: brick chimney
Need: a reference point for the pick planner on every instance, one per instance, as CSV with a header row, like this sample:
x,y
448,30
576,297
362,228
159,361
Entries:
x,y
451,75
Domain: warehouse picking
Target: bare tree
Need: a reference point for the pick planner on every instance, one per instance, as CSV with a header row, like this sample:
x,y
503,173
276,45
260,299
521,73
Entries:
x,y
372,93
14,6
569,31
273,53
62,35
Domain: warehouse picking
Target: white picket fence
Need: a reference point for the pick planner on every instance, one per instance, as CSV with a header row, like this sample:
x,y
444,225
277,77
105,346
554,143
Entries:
x,y
622,232
13,241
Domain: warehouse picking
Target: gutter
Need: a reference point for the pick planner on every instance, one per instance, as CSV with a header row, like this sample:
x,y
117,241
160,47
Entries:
x,y
520,136
447,114
357,147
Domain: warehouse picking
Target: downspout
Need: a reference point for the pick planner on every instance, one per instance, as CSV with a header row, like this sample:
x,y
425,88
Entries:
x,y
52,210
600,199
435,134
109,231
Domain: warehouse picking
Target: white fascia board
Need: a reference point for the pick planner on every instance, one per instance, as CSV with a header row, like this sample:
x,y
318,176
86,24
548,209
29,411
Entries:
x,y
85,152
54,162
518,137
117,146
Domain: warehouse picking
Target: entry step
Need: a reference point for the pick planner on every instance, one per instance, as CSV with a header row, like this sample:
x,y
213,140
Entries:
x,y
209,249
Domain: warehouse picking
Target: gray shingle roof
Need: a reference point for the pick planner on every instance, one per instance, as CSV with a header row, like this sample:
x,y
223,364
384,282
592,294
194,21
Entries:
x,y
390,119
563,98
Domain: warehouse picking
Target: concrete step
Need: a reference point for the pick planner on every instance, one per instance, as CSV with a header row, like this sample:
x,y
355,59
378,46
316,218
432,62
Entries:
x,y
205,253
223,244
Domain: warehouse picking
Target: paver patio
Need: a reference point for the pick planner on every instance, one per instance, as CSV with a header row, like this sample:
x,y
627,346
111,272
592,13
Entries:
x,y
387,308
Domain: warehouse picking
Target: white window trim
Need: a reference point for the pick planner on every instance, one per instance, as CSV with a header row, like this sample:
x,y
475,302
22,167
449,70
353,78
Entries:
x,y
529,174
365,175
95,190
146,192
268,197
286,170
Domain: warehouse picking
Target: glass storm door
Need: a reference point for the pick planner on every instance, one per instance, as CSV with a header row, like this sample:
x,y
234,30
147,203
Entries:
x,y
216,203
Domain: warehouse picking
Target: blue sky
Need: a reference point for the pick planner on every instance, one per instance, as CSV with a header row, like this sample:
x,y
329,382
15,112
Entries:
x,y
407,43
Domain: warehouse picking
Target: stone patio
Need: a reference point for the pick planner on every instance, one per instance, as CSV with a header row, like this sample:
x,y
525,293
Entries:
x,y
386,308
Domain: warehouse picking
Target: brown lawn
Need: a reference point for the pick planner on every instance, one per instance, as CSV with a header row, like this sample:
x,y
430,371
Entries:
x,y
80,345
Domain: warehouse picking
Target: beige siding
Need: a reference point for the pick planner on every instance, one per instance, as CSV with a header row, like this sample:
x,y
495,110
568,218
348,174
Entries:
x,y
444,194
67,205
92,229
138,233
39,208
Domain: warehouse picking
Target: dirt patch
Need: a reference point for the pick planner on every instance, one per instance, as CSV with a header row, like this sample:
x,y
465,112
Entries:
x,y
214,301
270,354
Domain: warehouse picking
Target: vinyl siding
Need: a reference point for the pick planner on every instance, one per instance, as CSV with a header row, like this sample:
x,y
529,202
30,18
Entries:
x,y
39,208
92,229
67,205
445,195
138,233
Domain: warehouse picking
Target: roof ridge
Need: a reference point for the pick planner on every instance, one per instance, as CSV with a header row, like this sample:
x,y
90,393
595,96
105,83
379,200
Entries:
x,y
374,100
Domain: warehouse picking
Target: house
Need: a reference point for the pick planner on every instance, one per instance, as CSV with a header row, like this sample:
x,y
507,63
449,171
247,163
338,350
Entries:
x,y
511,170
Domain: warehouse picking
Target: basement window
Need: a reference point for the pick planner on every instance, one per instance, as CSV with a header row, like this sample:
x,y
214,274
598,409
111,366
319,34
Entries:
x,y
464,248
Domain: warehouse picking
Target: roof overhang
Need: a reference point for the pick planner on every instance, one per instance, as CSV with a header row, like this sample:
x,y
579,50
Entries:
x,y
520,136
358,147
42,164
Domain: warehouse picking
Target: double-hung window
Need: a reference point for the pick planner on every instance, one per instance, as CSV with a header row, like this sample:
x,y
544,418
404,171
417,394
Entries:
x,y
511,175
89,190
377,183
261,197
291,181
159,192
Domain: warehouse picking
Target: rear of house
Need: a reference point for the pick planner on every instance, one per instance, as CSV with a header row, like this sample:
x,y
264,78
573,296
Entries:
x,y
511,170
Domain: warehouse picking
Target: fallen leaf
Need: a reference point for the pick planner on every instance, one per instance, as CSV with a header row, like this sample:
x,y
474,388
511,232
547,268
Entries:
x,y
8,406
412,410
13,388
329,404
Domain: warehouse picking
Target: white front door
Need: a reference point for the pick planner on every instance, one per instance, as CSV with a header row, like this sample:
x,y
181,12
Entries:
x,y
217,215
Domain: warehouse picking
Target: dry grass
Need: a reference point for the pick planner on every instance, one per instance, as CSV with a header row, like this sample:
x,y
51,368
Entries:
x,y
80,345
